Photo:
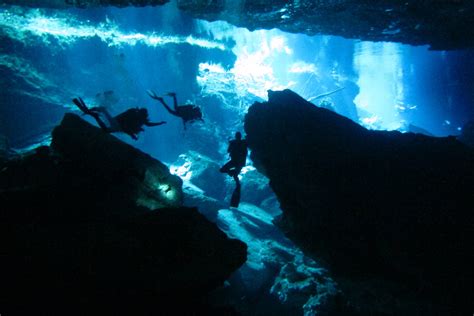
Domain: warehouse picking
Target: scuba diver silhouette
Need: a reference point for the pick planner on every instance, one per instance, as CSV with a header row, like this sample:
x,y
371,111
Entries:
x,y
129,122
188,112
238,155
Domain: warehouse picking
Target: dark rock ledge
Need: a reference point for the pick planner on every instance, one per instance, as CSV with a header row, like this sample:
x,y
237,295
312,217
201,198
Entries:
x,y
373,204
89,221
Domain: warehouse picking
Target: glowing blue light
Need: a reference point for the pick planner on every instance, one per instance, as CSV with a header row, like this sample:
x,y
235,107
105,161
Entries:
x,y
380,70
65,29
167,191
183,171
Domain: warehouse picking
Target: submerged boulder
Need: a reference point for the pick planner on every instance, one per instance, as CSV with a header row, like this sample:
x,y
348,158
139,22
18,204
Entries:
x,y
369,202
78,228
203,172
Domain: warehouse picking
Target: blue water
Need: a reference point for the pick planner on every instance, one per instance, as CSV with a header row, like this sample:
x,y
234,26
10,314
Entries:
x,y
224,69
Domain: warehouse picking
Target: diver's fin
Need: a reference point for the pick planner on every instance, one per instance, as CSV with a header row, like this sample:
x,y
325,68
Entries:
x,y
235,199
81,105
152,94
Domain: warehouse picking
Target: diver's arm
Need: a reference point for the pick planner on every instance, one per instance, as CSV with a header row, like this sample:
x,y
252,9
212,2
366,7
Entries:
x,y
155,124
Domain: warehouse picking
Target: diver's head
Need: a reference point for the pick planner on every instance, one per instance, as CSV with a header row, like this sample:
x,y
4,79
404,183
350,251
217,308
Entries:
x,y
143,113
238,136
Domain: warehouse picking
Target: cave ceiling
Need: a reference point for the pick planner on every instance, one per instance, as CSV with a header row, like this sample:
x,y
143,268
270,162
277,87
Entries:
x,y
441,24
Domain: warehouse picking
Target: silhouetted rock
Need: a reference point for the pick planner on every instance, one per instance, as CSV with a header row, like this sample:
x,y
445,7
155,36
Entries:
x,y
467,134
115,165
78,230
398,206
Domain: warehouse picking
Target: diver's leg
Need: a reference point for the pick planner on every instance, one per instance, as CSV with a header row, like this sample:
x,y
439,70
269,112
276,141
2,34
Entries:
x,y
114,125
167,107
235,176
175,102
235,198
99,121
83,107
226,168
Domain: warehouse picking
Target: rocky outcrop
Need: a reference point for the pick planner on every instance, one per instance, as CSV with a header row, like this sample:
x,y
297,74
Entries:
x,y
117,167
394,205
440,24
78,229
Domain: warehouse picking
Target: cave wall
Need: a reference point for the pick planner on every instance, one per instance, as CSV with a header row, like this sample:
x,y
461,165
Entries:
x,y
369,202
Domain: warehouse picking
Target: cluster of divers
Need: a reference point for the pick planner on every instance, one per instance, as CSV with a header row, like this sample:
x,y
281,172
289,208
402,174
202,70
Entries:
x,y
131,122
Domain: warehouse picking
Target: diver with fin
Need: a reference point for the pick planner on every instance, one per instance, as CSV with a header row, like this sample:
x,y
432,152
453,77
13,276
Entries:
x,y
130,122
238,151
188,112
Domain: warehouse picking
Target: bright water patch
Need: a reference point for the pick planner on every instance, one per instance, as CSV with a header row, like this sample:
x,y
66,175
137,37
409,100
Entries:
x,y
31,25
385,87
274,261
265,61
380,69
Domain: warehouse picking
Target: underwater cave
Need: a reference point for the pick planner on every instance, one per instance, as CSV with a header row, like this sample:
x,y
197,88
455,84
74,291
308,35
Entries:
x,y
356,195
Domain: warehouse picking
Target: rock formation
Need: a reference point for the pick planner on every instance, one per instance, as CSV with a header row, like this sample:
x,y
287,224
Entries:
x,y
79,228
398,206
440,24
117,166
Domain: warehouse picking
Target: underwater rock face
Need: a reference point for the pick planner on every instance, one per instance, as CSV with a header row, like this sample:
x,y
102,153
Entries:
x,y
203,172
121,168
74,234
369,202
277,278
440,24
